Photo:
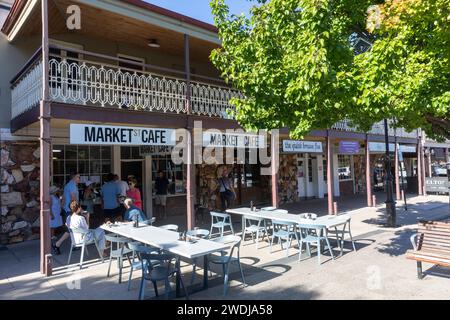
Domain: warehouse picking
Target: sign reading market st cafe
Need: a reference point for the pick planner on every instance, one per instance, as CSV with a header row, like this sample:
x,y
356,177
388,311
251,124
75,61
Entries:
x,y
119,135
233,140
299,146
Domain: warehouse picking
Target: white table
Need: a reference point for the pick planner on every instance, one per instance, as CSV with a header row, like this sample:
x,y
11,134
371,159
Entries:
x,y
168,240
328,221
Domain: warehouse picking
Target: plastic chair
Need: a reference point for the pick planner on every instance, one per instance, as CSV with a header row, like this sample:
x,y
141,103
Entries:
x,y
340,235
138,247
88,237
308,215
118,253
226,260
316,239
171,227
149,221
159,271
254,225
283,230
220,221
201,234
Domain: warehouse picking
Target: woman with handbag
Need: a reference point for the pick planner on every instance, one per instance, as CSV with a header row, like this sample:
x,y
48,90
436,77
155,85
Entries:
x,y
227,193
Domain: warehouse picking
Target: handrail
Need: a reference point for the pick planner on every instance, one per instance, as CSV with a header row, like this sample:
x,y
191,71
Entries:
x,y
146,65
27,66
133,71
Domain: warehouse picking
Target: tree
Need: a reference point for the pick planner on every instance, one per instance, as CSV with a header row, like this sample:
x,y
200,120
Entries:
x,y
295,63
406,73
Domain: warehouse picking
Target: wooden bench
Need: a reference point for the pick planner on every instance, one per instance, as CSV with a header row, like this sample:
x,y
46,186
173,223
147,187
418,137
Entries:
x,y
431,244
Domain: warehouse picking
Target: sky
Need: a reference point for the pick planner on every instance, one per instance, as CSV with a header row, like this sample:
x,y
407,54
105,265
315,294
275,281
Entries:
x,y
199,9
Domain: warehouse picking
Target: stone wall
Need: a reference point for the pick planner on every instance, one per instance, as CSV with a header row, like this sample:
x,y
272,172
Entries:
x,y
207,185
287,178
19,200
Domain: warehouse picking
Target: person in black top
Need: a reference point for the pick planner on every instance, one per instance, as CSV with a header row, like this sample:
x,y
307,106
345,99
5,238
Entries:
x,y
161,187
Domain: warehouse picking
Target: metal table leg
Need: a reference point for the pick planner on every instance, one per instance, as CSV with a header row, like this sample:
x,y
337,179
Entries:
x,y
205,271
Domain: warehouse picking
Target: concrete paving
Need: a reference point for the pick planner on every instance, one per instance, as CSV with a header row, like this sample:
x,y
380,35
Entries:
x,y
377,270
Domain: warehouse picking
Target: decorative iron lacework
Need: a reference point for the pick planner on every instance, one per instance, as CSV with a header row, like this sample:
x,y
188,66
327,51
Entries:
x,y
27,92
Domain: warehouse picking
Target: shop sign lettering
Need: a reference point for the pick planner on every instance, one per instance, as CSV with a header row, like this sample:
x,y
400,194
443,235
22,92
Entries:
x,y
299,146
118,135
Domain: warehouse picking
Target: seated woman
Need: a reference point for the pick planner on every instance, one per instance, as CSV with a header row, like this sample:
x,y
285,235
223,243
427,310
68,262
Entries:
x,y
77,220
133,211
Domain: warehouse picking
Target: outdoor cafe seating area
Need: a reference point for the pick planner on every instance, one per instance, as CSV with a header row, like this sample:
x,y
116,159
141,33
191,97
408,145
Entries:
x,y
164,257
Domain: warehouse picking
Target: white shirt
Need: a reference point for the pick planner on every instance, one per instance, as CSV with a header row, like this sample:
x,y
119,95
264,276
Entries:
x,y
123,187
77,222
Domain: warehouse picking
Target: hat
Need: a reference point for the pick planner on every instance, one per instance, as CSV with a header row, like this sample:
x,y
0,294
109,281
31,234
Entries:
x,y
88,183
53,189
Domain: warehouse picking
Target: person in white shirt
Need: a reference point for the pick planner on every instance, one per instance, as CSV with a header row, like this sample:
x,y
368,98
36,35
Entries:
x,y
78,221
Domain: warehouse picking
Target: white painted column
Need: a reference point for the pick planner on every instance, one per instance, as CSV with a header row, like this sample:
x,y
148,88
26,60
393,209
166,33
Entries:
x,y
320,182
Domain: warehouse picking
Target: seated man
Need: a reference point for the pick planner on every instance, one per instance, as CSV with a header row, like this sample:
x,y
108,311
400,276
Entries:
x,y
132,211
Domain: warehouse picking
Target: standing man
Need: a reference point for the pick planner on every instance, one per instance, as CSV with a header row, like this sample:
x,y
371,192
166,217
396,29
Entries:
x,y
110,202
227,194
161,187
71,193
123,186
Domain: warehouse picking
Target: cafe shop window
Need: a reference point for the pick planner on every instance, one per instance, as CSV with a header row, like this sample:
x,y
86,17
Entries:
x,y
91,162
174,173
344,167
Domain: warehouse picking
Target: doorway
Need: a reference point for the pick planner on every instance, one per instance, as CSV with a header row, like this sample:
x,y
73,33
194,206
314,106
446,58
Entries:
x,y
301,178
135,169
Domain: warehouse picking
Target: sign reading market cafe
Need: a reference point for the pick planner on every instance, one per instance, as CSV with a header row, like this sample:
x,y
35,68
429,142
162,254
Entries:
x,y
233,140
299,146
118,135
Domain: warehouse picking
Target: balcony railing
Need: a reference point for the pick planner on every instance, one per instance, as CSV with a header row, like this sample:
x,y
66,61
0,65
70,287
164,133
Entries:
x,y
26,90
87,82
377,128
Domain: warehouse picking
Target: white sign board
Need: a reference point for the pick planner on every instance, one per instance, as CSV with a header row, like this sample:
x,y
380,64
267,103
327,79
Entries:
x,y
380,147
299,146
118,135
410,149
233,140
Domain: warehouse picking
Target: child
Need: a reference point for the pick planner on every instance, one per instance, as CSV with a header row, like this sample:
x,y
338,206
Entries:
x,y
55,210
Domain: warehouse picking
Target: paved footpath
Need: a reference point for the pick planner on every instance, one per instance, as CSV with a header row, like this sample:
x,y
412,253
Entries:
x,y
377,270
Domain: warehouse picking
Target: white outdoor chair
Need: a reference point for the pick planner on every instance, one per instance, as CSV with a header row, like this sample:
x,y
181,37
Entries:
x,y
201,234
226,260
119,253
340,235
284,230
308,215
314,239
171,227
254,225
149,222
87,239
220,221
